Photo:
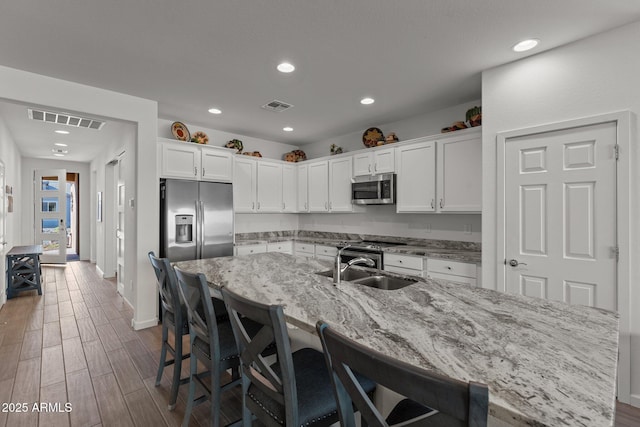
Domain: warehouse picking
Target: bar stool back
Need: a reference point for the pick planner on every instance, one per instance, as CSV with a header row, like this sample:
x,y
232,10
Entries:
x,y
212,343
455,403
174,318
296,389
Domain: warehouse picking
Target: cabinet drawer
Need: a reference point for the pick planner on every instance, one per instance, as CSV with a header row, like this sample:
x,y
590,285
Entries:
x,y
251,249
402,270
329,251
284,247
404,261
305,248
453,279
451,267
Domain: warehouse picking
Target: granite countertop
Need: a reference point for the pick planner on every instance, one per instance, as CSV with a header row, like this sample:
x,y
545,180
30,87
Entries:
x,y
462,255
546,363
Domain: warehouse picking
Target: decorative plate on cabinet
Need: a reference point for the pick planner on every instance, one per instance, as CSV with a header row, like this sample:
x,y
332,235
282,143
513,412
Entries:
x,y
371,136
180,131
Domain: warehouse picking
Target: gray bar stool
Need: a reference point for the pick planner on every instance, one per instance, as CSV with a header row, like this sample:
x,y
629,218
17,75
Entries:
x,y
431,399
174,318
296,389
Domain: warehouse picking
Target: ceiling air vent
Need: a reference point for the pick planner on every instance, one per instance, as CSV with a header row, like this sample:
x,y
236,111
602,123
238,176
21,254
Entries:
x,y
277,106
64,119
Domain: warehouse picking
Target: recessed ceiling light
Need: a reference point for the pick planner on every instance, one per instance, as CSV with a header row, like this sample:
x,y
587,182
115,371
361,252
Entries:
x,y
287,129
215,111
367,101
62,132
525,45
58,154
60,144
285,67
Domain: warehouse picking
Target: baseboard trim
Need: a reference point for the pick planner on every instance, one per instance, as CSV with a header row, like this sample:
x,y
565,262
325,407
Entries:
x,y
144,324
634,400
100,272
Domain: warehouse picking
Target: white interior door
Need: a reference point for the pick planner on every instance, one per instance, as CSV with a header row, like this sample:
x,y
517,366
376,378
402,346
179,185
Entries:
x,y
120,205
50,213
560,215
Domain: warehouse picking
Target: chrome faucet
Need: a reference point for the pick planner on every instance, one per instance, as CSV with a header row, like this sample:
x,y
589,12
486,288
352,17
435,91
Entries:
x,y
338,270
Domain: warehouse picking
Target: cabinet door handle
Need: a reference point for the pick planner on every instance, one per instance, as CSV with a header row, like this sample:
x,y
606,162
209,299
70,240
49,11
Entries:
x,y
283,205
305,206
442,203
433,203
202,171
326,206
258,205
253,205
195,171
375,167
369,168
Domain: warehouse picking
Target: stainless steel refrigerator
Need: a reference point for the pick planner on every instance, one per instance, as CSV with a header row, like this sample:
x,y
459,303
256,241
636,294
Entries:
x,y
196,219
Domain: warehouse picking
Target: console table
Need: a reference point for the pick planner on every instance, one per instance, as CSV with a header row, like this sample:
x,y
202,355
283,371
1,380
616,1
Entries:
x,y
23,269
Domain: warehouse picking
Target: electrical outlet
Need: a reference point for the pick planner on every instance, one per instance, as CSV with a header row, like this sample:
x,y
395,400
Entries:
x,y
467,229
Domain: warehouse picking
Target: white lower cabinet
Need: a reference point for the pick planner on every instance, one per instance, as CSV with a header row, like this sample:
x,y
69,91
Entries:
x,y
452,271
283,247
251,249
306,250
404,264
326,253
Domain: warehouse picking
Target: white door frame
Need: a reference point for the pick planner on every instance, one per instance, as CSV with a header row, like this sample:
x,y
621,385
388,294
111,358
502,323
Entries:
x,y
626,199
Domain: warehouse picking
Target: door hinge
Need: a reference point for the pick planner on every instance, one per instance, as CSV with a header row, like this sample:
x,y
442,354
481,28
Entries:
x,y
616,151
615,252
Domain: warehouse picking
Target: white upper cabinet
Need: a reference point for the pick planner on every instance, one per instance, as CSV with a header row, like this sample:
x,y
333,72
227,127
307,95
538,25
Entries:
x,y
180,160
302,171
269,187
193,161
318,184
460,175
374,161
217,164
416,179
244,184
440,174
340,173
289,188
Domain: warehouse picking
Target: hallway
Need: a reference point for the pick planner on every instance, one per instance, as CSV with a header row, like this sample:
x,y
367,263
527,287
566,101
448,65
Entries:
x,y
74,345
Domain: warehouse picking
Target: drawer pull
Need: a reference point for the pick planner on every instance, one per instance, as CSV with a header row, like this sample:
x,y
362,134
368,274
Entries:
x,y
448,268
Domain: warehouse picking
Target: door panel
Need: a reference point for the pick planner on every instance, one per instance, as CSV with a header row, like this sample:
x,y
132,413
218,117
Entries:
x,y
560,215
50,210
216,201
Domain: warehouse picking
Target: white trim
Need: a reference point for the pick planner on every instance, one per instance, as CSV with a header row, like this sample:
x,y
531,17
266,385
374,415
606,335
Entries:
x,y
143,324
100,272
626,234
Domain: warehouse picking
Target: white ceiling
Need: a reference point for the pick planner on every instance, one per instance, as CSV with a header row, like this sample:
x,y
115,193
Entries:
x,y
412,56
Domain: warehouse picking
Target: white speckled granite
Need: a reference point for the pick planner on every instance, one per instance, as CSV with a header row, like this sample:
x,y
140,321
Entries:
x,y
442,249
546,363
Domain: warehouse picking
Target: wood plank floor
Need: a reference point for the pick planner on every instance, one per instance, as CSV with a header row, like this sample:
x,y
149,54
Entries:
x,y
74,345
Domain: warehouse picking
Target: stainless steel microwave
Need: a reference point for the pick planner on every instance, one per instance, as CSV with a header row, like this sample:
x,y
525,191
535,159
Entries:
x,y
374,190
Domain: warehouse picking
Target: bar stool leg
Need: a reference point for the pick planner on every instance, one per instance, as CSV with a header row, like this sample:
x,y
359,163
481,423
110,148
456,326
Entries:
x,y
163,352
177,368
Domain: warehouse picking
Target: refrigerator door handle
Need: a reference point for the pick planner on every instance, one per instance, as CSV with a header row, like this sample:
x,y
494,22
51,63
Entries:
x,y
202,229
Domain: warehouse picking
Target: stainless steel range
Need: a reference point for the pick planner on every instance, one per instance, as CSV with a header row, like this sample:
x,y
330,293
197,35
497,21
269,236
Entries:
x,y
367,248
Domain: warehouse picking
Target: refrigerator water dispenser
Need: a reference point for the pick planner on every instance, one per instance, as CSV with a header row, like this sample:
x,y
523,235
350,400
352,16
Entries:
x,y
184,228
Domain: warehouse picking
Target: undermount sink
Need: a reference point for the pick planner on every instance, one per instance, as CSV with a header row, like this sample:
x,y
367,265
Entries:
x,y
349,275
372,279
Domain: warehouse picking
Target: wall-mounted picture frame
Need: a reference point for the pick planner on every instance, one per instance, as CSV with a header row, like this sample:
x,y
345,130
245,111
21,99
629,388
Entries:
x,y
99,207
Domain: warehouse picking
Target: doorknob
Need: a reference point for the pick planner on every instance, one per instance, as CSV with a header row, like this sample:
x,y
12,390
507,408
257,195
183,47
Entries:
x,y
515,263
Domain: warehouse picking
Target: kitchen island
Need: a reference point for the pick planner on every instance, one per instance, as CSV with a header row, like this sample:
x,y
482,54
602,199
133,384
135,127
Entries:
x,y
546,363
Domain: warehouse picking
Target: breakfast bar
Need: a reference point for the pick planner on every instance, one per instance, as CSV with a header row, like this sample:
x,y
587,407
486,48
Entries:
x,y
546,363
